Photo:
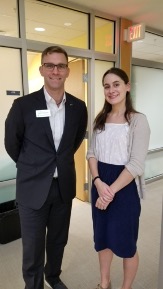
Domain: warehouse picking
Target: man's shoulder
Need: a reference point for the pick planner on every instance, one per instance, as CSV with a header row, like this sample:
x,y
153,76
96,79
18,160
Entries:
x,y
74,99
30,96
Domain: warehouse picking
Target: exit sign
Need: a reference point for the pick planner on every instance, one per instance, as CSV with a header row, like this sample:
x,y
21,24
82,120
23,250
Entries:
x,y
135,32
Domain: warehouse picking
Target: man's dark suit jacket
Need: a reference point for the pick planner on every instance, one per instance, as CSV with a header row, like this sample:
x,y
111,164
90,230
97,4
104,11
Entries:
x,y
29,142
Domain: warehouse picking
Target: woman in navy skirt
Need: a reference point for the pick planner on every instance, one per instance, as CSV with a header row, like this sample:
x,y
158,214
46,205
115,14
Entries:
x,y
116,160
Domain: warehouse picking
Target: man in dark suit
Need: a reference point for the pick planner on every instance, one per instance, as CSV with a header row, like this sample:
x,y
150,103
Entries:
x,y
43,130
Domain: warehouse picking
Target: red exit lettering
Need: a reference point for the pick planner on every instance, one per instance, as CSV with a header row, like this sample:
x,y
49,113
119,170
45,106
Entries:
x,y
135,32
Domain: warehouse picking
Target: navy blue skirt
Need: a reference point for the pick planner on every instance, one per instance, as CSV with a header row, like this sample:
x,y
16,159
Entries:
x,y
116,228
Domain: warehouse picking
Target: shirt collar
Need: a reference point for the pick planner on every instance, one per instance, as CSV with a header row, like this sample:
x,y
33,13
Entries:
x,y
48,98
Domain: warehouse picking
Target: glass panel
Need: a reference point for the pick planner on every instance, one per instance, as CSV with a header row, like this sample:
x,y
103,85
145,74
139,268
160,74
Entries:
x,y
104,35
35,80
56,24
154,164
7,191
147,92
100,68
11,88
8,18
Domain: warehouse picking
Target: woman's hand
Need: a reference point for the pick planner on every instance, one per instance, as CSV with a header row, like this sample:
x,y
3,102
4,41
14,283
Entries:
x,y
106,195
101,203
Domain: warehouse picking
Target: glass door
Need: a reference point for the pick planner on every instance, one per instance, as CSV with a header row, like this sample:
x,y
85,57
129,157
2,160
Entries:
x,y
76,84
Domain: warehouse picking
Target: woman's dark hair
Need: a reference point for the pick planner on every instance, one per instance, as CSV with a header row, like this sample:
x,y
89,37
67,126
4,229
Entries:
x,y
100,119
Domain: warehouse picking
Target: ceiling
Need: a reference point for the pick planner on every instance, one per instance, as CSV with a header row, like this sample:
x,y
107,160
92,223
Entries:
x,y
149,12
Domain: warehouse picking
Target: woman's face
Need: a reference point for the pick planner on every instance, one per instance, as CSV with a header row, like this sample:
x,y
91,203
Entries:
x,y
115,89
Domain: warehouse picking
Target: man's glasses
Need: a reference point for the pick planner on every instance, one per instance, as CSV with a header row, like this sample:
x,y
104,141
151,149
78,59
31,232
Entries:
x,y
51,66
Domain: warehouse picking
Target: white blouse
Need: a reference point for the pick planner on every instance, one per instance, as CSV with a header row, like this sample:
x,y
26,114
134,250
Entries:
x,y
111,144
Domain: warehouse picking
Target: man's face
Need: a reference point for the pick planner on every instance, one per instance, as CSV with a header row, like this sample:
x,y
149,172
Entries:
x,y
54,76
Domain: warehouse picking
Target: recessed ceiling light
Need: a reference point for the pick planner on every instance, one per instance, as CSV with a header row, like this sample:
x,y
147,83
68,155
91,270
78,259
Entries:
x,y
67,24
40,29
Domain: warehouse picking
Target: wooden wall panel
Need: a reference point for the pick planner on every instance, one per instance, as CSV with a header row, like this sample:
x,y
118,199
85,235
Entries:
x,y
125,47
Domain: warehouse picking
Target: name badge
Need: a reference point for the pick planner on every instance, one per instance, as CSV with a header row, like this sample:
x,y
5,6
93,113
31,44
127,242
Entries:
x,y
43,113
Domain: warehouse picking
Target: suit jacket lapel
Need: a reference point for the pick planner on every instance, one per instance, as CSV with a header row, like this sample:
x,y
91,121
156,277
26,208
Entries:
x,y
44,121
69,106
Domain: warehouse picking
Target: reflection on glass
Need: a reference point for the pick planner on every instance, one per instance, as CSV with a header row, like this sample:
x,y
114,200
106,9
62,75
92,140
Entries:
x,y
104,35
50,23
8,18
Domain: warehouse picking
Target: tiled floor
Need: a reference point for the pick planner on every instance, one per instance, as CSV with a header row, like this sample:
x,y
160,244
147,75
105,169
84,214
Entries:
x,y
80,265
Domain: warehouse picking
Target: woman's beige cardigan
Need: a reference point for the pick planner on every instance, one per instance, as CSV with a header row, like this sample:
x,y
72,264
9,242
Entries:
x,y
138,142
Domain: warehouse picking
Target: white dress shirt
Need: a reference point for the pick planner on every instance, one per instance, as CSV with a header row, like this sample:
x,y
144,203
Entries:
x,y
57,119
